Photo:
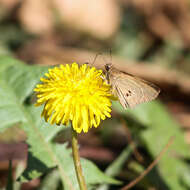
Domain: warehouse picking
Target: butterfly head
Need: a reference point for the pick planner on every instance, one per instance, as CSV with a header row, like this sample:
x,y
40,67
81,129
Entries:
x,y
108,67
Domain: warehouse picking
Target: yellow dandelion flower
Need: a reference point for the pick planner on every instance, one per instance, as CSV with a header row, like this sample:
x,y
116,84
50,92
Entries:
x,y
76,94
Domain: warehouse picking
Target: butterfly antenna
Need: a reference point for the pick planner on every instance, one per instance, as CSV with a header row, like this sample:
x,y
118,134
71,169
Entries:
x,y
96,58
109,63
111,54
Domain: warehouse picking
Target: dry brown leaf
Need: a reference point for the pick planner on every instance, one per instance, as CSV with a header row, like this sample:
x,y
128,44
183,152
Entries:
x,y
98,18
36,16
9,4
167,19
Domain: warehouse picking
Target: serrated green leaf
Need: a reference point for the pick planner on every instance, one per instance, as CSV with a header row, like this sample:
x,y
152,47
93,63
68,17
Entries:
x,y
17,81
51,181
91,173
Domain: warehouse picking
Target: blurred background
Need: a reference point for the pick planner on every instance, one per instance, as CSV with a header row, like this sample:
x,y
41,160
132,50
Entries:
x,y
147,38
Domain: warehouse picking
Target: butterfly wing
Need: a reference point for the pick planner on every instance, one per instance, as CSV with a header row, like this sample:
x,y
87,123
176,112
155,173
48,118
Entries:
x,y
132,91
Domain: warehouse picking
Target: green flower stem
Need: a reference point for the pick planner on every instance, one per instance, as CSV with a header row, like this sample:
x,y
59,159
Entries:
x,y
76,158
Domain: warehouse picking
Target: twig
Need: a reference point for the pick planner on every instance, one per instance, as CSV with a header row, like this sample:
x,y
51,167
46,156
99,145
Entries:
x,y
143,174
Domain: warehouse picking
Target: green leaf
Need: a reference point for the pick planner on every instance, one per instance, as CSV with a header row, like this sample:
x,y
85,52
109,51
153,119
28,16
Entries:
x,y
117,165
51,181
160,127
17,81
91,173
18,171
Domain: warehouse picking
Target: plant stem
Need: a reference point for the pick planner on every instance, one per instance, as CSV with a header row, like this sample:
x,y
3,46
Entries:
x,y
76,158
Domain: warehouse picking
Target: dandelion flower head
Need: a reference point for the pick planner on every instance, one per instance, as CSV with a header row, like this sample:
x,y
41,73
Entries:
x,y
74,93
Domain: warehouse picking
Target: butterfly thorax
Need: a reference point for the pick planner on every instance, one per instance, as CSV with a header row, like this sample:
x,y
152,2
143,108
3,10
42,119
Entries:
x,y
110,72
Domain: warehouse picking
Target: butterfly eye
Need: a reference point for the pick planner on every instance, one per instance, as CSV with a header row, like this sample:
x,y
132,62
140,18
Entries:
x,y
108,67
